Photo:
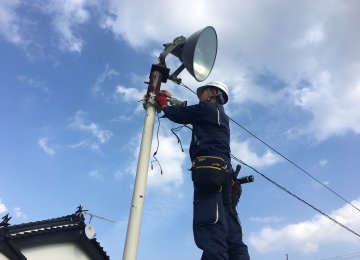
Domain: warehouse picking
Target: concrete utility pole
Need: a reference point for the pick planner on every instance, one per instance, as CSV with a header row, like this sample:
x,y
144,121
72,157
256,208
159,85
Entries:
x,y
137,204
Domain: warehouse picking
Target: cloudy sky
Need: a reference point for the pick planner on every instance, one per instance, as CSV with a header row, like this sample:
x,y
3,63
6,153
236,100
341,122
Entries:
x,y
72,74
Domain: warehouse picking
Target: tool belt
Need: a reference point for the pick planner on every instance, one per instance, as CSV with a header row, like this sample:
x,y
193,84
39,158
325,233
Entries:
x,y
208,173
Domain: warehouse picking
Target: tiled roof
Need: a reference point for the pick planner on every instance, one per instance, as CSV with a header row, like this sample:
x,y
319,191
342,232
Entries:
x,y
45,226
74,222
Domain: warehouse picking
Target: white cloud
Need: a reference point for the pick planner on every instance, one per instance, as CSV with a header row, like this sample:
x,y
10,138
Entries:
x,y
19,213
271,219
129,94
95,174
313,35
93,146
10,26
17,210
119,174
334,107
43,142
242,151
317,46
67,16
79,122
310,234
132,96
79,144
170,157
108,73
34,83
139,32
327,183
323,163
3,208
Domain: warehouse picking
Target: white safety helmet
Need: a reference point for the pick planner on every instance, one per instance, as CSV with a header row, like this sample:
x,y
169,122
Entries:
x,y
218,85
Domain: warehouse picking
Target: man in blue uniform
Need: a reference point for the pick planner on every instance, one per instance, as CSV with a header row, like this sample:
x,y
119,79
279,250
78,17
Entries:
x,y
216,226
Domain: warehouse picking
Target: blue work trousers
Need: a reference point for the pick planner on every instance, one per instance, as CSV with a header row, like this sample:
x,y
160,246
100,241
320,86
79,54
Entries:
x,y
217,229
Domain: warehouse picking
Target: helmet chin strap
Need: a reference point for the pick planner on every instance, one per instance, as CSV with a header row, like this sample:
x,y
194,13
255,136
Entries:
x,y
209,94
221,96
218,94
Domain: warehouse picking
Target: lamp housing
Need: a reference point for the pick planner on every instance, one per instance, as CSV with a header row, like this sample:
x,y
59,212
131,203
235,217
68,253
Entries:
x,y
197,53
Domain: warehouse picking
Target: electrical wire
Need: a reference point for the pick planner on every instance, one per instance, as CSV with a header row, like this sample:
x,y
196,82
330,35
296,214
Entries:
x,y
177,129
182,84
278,185
157,147
295,196
296,165
354,255
287,159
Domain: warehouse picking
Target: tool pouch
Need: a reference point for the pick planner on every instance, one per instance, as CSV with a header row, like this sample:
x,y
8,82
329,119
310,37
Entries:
x,y
208,173
236,191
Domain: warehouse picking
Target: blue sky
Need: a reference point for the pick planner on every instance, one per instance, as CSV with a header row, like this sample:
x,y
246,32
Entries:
x,y
72,73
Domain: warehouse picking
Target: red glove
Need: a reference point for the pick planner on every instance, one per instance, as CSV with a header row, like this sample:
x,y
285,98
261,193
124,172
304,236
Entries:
x,y
161,100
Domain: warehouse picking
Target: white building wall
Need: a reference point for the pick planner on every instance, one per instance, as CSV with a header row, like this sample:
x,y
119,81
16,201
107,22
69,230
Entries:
x,y
59,251
2,257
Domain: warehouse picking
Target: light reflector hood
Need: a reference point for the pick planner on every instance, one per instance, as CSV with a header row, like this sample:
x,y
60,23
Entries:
x,y
198,53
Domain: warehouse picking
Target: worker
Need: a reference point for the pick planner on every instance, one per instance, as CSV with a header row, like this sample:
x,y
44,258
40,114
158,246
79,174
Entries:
x,y
216,226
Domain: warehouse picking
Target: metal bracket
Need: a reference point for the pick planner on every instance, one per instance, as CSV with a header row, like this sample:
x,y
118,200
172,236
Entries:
x,y
164,71
169,47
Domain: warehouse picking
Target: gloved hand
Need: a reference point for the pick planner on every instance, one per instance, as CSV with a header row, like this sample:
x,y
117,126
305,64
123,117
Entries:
x,y
161,100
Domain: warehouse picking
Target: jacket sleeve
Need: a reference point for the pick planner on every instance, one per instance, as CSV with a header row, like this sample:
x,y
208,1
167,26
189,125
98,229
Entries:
x,y
185,115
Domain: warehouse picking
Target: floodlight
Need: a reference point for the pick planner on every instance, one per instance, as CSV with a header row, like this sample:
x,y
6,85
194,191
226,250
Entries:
x,y
197,53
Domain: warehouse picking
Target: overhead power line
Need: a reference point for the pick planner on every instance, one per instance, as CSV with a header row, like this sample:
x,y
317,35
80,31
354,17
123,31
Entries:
x,y
283,188
296,165
287,159
295,196
276,184
354,255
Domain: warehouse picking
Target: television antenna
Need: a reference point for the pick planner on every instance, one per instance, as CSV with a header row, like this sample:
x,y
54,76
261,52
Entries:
x,y
96,216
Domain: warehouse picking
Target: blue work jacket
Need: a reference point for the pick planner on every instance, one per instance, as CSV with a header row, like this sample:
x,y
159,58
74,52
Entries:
x,y
211,132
